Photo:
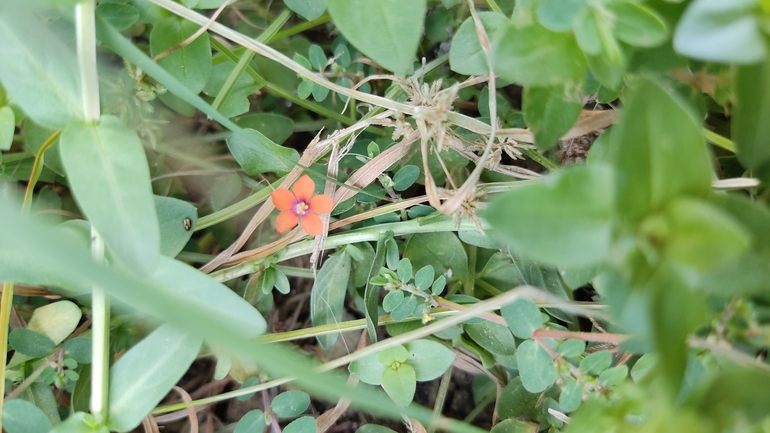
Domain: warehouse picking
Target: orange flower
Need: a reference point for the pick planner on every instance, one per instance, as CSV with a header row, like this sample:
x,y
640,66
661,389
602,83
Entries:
x,y
301,206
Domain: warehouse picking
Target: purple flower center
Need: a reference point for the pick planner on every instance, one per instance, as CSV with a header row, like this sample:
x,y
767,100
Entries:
x,y
300,208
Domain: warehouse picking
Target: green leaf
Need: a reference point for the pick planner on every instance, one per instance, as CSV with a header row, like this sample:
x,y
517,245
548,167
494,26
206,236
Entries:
x,y
190,64
177,220
514,426
424,278
320,92
290,404
267,280
523,317
368,369
536,368
146,373
465,54
374,428
372,291
643,366
737,393
21,416
31,343
596,362
391,252
516,401
307,9
275,127
701,235
393,355
719,31
647,151
572,348
493,337
551,111
41,395
328,295
404,270
614,376
257,154
441,250
392,300
573,205
751,93
80,422
317,57
108,175
429,359
438,285
120,16
252,421
536,56
388,31
282,282
306,424
558,15
39,70
56,320
571,396
405,177
7,127
79,349
400,383
637,25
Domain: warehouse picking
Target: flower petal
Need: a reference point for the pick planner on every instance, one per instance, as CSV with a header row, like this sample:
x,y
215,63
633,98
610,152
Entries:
x,y
321,204
287,220
312,224
283,199
304,188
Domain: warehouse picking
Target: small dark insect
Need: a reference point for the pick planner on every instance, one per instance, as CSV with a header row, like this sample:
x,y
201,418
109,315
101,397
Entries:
x,y
187,224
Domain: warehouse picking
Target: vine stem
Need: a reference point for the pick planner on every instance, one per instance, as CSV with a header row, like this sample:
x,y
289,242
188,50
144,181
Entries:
x,y
85,28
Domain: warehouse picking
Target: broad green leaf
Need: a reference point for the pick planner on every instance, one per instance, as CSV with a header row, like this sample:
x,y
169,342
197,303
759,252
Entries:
x,y
551,111
647,151
751,93
536,56
405,177
700,235
400,383
41,395
388,31
190,64
79,349
609,74
558,15
31,343
573,205
275,127
637,25
224,190
372,292
317,57
290,404
146,373
523,317
572,348
516,401
424,278
737,393
404,270
514,426
177,220
39,70
392,300
391,252
442,250
120,16
465,54
368,369
258,154
493,337
393,355
282,282
307,9
108,175
536,368
80,422
56,320
614,376
7,127
252,421
571,396
306,424
429,359
596,362
643,366
21,416
328,295
589,31
720,31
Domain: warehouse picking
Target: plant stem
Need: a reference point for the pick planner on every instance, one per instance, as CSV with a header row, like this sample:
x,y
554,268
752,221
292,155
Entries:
x,y
299,28
6,303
